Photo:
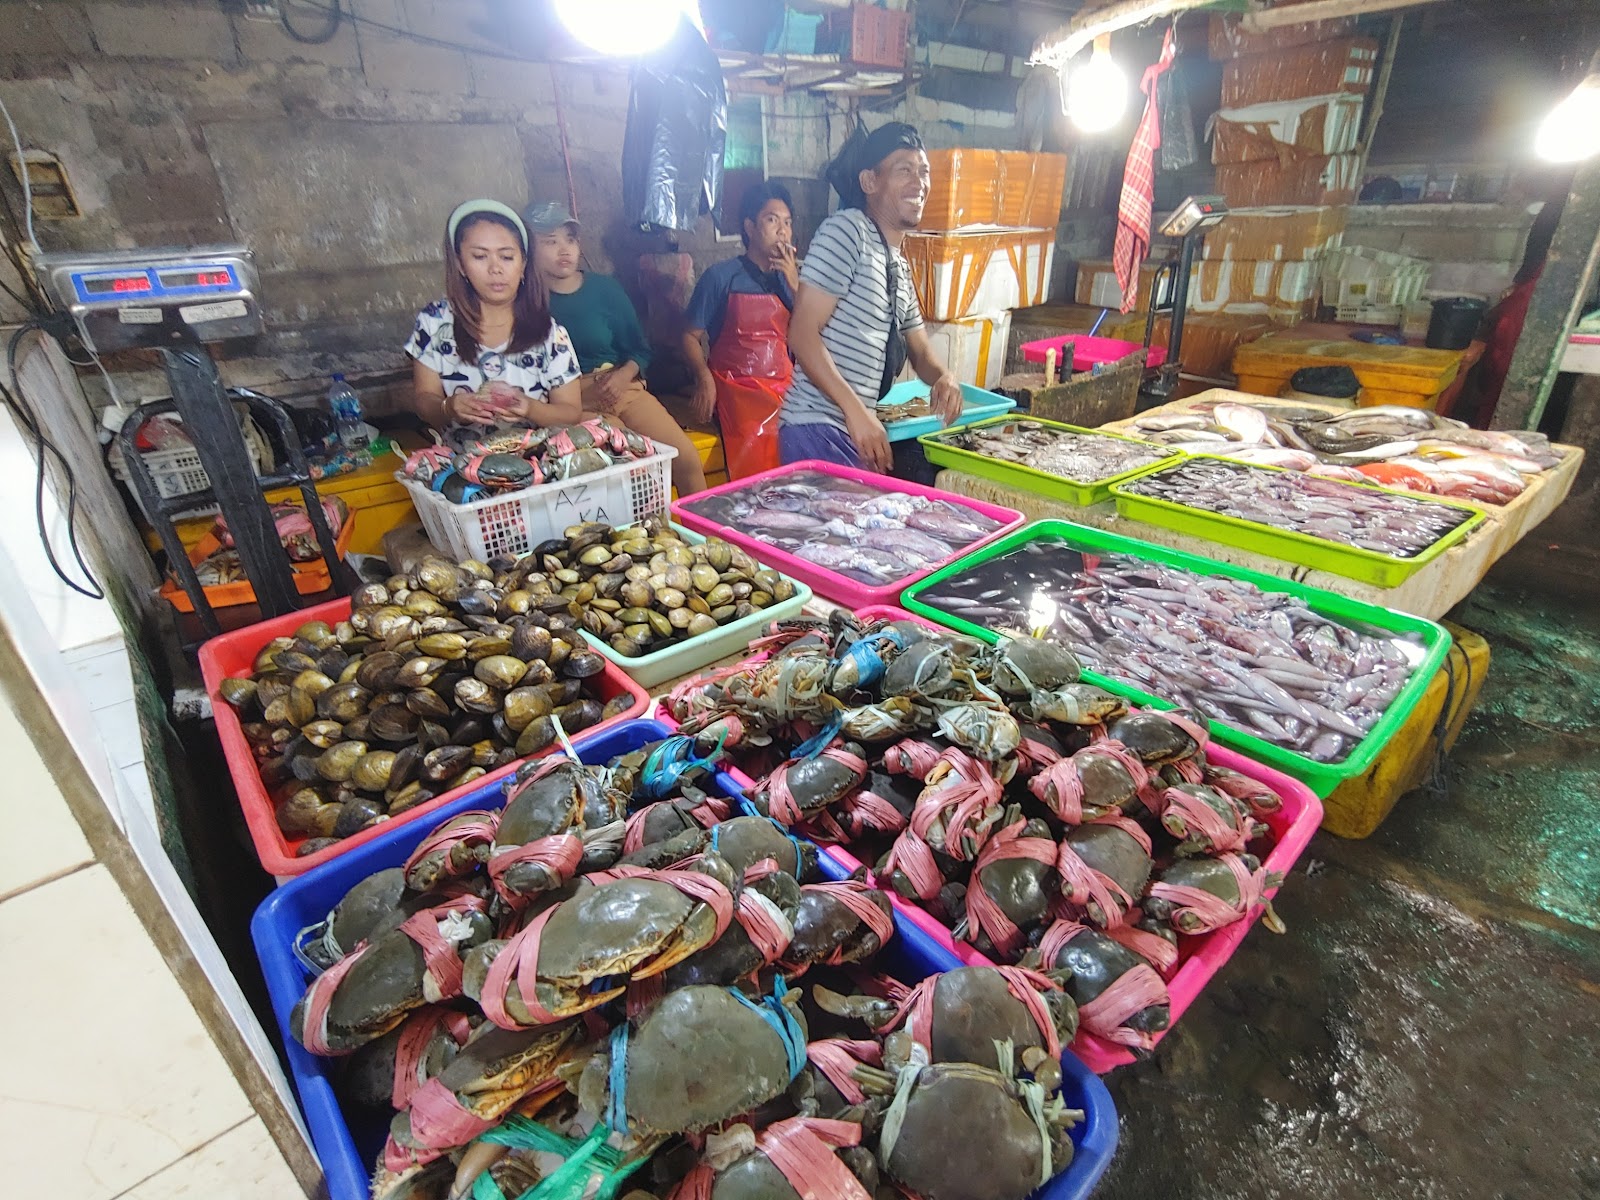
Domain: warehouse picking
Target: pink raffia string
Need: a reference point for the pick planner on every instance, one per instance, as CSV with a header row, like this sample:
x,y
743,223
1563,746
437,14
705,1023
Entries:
x,y
1200,821
781,802
479,830
866,810
1152,947
1212,911
696,1185
415,1037
837,1059
1034,756
440,958
560,853
1061,786
1261,798
960,796
1190,770
855,895
518,958
439,1123
983,911
913,757
314,1037
802,1148
643,994
913,858
1199,732
1132,992
1084,884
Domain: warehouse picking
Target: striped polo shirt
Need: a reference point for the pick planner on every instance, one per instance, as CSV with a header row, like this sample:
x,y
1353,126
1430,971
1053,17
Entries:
x,y
848,259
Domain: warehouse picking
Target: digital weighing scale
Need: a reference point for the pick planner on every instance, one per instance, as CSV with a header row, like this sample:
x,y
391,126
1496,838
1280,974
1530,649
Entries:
x,y
177,301
1189,221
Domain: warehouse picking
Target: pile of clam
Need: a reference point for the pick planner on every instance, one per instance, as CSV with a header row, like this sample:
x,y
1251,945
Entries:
x,y
1031,814
433,680
613,976
643,587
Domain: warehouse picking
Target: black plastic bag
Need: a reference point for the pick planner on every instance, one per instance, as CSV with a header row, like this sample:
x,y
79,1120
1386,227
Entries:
x,y
677,130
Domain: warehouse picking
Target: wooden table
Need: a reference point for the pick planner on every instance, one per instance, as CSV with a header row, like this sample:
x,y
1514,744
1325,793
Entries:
x,y
1433,591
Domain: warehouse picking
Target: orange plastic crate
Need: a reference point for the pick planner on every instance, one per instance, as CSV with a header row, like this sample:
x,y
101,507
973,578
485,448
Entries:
x,y
878,37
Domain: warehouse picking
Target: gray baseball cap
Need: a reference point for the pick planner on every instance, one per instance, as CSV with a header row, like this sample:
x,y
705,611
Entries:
x,y
548,217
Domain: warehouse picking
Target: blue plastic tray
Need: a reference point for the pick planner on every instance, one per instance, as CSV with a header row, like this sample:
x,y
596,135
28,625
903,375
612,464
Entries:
x,y
977,405
348,1145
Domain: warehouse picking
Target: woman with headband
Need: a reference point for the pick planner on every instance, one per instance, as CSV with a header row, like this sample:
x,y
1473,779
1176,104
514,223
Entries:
x,y
490,354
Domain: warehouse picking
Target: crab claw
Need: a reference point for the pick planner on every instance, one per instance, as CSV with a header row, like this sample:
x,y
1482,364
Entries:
x,y
870,1009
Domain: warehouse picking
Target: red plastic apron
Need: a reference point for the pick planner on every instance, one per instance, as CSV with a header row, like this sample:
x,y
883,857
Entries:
x,y
750,362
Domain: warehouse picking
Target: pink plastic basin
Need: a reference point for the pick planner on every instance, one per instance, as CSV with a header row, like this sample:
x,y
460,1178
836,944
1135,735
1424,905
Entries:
x,y
830,585
1086,351
1199,958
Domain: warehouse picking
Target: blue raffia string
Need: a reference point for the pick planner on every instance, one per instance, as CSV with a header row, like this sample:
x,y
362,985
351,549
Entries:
x,y
818,743
716,840
617,1113
775,1013
669,762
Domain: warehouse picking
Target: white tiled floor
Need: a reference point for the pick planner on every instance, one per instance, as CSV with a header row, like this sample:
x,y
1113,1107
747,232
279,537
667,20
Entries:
x,y
110,1077
241,1164
41,839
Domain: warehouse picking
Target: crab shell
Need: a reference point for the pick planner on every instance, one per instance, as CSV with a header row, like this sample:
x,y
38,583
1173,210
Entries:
x,y
1096,962
1208,874
815,783
745,841
387,982
824,926
1115,854
966,1136
921,670
733,956
1021,665
548,805
700,1057
497,1068
368,1078
1025,890
1153,738
754,1177
372,907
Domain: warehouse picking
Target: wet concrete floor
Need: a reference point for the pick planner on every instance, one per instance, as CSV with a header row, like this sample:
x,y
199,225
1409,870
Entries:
x,y
1429,1027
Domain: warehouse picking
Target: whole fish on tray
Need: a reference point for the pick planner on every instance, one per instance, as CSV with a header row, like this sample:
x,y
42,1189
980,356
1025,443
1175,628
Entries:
x,y
1409,448
1080,457
1262,662
1352,516
851,528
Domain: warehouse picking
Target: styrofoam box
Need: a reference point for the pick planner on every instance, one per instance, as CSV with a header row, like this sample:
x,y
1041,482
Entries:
x,y
974,348
980,270
1316,124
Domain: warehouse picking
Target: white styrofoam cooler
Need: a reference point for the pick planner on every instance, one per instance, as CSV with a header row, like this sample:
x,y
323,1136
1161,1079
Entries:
x,y
980,270
974,348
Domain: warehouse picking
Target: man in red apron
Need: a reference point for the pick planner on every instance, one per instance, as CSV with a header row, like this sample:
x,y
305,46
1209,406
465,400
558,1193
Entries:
x,y
737,341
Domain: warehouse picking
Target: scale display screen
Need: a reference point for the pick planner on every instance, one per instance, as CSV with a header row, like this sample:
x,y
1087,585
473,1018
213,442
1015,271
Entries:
x,y
204,277
116,285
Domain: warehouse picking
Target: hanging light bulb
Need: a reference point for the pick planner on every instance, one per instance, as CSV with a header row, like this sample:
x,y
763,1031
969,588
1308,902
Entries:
x,y
1571,132
1096,93
625,28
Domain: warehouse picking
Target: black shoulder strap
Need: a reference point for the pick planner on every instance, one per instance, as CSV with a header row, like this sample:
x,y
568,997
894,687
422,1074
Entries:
x,y
894,357
760,280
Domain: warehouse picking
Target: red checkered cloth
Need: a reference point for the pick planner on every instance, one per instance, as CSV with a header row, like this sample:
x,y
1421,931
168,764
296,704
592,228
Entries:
x,y
1137,205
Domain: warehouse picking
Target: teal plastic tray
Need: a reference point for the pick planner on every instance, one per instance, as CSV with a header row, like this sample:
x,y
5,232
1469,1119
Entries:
x,y
976,404
1320,554
1033,479
1321,777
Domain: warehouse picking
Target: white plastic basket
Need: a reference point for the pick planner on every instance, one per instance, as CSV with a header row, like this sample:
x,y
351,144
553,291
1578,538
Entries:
x,y
513,523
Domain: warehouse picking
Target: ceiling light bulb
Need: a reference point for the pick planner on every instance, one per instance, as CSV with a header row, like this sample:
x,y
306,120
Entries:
x,y
624,28
1097,93
1571,132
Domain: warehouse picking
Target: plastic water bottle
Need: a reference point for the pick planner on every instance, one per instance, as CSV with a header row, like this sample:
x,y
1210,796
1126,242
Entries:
x,y
345,407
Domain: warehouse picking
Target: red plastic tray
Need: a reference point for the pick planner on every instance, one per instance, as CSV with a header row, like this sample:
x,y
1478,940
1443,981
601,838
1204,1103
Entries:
x,y
235,653
1199,958
829,584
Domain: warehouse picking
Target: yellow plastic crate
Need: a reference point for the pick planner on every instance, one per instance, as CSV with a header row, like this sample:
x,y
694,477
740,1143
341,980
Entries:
x,y
1358,806
1409,375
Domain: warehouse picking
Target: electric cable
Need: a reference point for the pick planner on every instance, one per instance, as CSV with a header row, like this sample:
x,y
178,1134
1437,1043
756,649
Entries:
x,y
17,403
335,16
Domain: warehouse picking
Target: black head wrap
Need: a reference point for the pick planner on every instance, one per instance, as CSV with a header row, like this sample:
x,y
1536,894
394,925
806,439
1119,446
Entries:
x,y
863,151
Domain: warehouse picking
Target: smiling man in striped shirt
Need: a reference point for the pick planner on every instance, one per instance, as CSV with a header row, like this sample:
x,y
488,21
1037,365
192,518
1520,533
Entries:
x,y
856,320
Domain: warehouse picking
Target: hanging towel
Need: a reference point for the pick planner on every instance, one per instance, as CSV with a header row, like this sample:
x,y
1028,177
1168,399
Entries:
x,y
1135,209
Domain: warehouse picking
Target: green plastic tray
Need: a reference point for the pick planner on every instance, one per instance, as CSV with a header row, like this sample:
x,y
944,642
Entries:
x,y
1031,479
1320,777
1302,549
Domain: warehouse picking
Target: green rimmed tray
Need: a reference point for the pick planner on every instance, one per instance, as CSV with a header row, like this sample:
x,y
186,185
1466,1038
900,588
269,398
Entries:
x,y
1302,549
1321,777
1032,479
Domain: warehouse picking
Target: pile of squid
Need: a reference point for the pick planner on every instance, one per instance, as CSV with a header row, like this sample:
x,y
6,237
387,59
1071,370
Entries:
x,y
1031,814
616,978
519,458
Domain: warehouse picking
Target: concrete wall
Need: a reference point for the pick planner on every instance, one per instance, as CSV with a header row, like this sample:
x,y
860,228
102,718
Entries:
x,y
1475,249
179,123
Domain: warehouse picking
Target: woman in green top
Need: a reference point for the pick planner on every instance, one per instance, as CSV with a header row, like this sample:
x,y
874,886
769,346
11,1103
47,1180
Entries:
x,y
611,346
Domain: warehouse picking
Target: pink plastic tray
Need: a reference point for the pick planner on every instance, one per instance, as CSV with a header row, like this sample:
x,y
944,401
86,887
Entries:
x,y
1199,958
1086,351
829,584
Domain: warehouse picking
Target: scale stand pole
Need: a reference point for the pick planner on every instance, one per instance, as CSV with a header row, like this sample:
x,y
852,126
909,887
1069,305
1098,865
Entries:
x,y
209,420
